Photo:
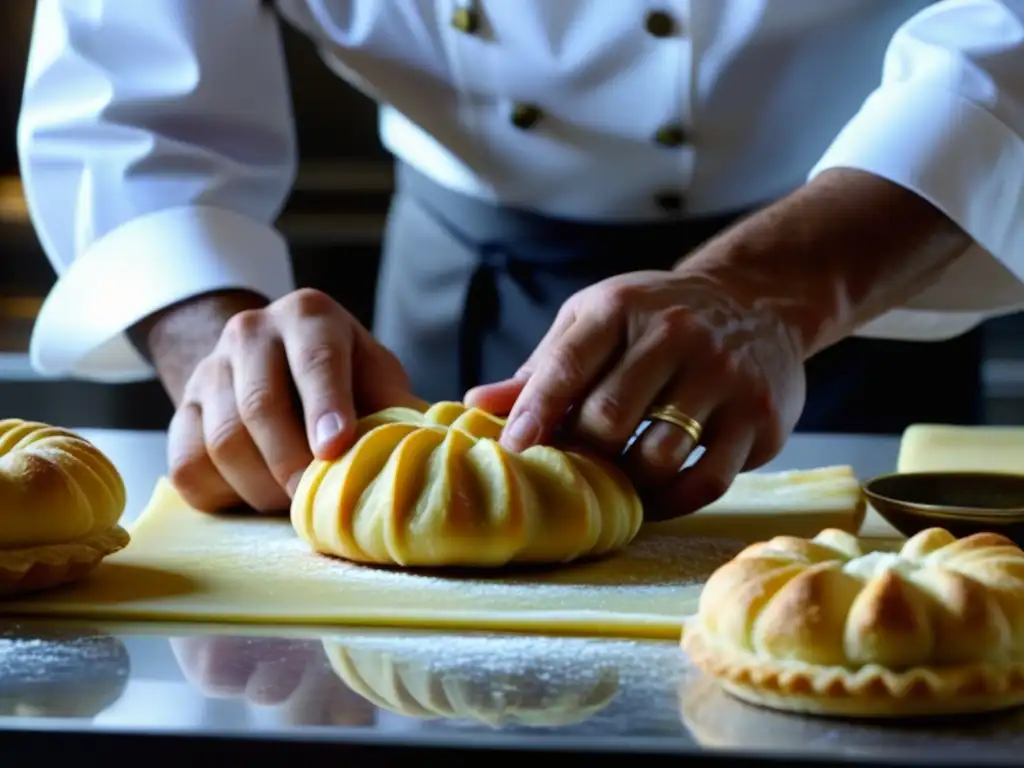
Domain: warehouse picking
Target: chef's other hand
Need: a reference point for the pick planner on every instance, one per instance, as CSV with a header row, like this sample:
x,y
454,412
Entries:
x,y
691,338
238,436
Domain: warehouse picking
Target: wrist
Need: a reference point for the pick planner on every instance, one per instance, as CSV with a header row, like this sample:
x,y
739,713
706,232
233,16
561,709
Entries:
x,y
177,338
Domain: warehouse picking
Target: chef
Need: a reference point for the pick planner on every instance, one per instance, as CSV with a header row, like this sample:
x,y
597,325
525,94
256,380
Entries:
x,y
608,213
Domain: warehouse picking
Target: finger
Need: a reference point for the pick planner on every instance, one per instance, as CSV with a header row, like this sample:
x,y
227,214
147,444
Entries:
x,y
707,479
320,357
380,379
564,320
280,666
613,410
216,666
497,398
262,392
231,447
191,469
662,448
275,680
562,378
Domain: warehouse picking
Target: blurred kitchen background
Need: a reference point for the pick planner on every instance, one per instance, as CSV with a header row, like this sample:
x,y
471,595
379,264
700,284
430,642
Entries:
x,y
334,219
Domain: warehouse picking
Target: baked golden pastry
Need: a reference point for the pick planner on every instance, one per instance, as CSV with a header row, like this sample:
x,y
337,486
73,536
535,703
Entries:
x,y
415,688
436,489
820,626
60,503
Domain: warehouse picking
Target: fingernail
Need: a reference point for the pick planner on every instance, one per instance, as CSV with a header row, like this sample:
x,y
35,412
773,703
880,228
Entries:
x,y
670,443
328,427
521,433
293,482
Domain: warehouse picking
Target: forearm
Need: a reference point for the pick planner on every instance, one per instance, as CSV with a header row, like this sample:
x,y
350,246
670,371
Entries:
x,y
177,338
837,253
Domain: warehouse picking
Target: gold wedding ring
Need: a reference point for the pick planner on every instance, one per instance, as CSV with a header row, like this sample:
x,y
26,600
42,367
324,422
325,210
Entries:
x,y
672,415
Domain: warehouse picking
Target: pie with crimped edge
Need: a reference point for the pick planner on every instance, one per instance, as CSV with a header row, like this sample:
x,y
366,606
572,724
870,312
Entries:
x,y
61,500
821,626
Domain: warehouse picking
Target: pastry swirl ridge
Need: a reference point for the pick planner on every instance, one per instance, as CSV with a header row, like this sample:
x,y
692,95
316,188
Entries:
x,y
821,626
60,502
435,488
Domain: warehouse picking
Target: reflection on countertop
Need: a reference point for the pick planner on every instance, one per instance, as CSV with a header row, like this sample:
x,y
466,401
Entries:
x,y
386,681
717,720
447,686
49,672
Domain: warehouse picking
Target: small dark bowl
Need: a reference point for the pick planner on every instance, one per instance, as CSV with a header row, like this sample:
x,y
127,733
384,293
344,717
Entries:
x,y
961,502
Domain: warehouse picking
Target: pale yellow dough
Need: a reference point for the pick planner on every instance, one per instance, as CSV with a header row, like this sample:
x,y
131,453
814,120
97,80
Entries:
x,y
186,565
943,448
798,502
820,626
437,489
60,503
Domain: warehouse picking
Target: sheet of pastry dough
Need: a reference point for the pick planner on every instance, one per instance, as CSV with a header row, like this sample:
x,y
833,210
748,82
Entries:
x,y
184,565
938,447
762,505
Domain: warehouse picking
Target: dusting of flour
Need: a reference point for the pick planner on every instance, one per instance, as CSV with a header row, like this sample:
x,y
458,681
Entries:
x,y
651,564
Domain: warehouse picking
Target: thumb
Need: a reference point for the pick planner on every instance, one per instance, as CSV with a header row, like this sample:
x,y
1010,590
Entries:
x,y
497,398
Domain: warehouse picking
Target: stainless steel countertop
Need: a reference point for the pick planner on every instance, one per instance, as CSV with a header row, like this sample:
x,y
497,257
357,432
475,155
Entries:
x,y
407,689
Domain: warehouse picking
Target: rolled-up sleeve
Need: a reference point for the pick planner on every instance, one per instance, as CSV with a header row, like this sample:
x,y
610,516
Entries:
x,y
157,147
947,122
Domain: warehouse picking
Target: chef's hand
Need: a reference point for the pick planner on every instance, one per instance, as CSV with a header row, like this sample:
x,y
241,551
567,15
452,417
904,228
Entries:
x,y
238,435
293,675
691,338
724,336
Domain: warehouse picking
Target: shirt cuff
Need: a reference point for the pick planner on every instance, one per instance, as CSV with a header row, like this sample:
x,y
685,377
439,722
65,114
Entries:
x,y
142,267
969,165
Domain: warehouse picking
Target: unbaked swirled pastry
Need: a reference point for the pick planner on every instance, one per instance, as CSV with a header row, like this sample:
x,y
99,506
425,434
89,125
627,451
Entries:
x,y
60,502
436,489
820,626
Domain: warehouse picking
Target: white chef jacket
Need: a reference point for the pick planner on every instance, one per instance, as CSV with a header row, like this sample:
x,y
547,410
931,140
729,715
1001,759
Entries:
x,y
157,143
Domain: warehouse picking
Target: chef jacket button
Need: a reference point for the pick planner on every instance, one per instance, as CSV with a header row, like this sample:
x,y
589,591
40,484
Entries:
x,y
466,20
660,24
525,116
670,136
669,202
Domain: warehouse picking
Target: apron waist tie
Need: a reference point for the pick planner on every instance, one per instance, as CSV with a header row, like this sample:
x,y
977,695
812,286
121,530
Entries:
x,y
482,312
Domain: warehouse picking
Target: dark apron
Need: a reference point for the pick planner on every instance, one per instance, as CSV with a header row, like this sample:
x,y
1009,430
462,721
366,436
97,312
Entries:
x,y
467,289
